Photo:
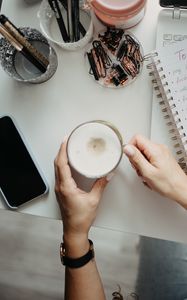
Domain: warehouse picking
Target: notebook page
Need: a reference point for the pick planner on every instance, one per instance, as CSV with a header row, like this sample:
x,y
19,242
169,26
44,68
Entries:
x,y
170,33
174,64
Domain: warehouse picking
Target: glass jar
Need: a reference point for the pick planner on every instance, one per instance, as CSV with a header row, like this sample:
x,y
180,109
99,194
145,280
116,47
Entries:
x,y
119,13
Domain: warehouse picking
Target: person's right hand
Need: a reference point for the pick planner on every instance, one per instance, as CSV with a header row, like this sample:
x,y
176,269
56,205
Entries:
x,y
158,168
78,207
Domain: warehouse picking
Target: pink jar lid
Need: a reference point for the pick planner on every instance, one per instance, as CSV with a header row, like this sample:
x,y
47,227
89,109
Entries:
x,y
118,7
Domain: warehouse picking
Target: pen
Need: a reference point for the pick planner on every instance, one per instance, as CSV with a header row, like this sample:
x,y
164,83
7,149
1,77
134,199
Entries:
x,y
20,48
70,23
19,36
55,7
81,27
75,19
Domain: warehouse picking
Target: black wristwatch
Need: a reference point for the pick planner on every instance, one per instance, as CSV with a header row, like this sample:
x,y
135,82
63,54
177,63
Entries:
x,y
76,262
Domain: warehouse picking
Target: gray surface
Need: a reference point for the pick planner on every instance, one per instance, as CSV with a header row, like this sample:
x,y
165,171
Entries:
x,y
30,266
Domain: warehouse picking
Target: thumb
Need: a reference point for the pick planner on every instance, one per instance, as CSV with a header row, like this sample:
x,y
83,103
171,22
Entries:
x,y
98,187
137,159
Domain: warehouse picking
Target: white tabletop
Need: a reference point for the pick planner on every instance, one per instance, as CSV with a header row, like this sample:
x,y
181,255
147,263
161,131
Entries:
x,y
49,111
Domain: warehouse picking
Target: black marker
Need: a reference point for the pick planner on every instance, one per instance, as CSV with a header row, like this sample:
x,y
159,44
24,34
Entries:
x,y
93,65
55,7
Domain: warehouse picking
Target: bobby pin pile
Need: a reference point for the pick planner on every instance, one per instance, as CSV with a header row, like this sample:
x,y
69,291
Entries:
x,y
115,58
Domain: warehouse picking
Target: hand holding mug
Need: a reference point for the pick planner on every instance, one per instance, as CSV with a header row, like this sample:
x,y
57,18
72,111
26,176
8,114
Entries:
x,y
78,208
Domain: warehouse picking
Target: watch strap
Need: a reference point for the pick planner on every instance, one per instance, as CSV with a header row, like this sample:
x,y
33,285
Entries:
x,y
76,262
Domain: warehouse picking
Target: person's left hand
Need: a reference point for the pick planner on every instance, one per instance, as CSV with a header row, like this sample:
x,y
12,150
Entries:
x,y
78,208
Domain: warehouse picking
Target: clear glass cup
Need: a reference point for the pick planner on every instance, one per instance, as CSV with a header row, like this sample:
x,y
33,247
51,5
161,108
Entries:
x,y
50,29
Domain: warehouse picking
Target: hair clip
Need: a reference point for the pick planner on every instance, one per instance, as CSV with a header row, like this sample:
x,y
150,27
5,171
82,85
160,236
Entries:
x,y
123,78
135,63
129,66
111,38
122,50
118,68
116,57
137,55
102,59
93,68
131,40
100,51
98,63
99,60
116,81
117,75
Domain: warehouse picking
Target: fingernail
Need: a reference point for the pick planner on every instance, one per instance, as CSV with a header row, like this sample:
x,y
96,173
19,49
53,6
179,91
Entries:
x,y
109,176
65,138
129,150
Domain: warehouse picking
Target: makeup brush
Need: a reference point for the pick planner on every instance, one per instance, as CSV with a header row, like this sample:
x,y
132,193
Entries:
x,y
20,48
19,36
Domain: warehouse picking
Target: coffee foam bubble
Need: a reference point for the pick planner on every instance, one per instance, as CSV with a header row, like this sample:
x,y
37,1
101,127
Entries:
x,y
94,149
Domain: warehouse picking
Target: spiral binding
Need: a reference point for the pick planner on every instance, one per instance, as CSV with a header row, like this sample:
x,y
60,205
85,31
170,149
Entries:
x,y
168,108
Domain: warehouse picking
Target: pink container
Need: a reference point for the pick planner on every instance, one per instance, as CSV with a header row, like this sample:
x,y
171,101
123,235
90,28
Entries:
x,y
119,13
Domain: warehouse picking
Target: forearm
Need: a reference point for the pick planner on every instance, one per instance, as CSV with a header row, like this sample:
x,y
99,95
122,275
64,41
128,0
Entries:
x,y
83,283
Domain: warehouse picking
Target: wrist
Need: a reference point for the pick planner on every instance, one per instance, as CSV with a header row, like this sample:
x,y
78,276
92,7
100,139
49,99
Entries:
x,y
76,262
76,245
180,192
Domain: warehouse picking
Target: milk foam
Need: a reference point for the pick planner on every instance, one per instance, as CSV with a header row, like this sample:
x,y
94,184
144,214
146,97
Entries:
x,y
94,150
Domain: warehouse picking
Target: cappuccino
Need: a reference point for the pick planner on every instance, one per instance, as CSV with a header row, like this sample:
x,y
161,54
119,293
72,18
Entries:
x,y
94,149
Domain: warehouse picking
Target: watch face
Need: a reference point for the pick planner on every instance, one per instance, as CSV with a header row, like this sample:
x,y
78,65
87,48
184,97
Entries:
x,y
62,253
173,3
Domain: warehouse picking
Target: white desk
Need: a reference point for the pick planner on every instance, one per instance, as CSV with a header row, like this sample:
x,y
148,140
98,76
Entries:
x,y
49,111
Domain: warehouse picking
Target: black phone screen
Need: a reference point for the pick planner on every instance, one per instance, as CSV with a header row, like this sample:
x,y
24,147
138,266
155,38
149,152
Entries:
x,y
172,3
20,180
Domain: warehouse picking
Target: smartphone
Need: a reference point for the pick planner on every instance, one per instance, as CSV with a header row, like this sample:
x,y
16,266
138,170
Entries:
x,y
20,177
174,3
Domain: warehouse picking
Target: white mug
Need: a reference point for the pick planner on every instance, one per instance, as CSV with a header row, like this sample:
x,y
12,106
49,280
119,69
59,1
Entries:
x,y
95,148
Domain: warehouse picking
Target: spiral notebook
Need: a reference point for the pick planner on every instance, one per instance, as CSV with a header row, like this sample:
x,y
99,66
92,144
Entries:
x,y
168,67
167,119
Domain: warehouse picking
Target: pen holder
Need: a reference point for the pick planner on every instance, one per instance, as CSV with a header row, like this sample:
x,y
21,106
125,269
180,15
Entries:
x,y
18,67
51,30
